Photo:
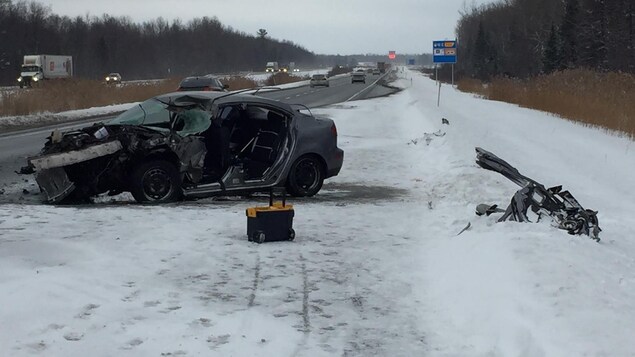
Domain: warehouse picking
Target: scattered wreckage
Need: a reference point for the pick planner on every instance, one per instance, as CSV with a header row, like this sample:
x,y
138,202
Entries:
x,y
191,144
560,205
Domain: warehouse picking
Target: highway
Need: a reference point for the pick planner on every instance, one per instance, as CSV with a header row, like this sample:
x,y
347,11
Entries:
x,y
16,146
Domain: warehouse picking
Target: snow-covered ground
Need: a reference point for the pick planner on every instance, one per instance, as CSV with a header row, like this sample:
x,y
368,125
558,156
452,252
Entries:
x,y
61,117
377,268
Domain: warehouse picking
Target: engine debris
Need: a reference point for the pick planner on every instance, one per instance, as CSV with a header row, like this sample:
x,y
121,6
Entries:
x,y
565,211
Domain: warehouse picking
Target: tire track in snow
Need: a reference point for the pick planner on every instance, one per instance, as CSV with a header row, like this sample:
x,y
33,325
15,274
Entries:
x,y
306,321
305,297
256,281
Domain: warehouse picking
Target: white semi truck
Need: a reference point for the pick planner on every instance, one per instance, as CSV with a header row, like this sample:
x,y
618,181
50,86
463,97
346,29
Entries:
x,y
272,67
36,68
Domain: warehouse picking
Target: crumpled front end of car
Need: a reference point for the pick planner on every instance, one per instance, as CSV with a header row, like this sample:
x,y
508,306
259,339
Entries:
x,y
89,161
53,178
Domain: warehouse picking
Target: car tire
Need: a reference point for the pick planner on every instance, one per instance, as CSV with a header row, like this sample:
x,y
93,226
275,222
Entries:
x,y
156,181
291,234
305,177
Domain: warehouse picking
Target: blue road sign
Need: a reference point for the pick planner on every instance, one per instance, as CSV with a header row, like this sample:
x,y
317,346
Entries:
x,y
444,51
411,62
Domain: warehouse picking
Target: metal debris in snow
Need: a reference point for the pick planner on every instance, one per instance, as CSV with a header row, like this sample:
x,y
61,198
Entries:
x,y
561,206
427,137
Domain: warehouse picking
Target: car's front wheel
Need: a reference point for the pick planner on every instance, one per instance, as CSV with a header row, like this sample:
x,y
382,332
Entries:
x,y
305,177
156,181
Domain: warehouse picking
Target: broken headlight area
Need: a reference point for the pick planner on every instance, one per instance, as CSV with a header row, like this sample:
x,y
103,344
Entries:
x,y
564,210
84,163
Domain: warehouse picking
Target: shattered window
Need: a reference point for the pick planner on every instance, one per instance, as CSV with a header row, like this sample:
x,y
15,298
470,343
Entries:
x,y
150,113
192,121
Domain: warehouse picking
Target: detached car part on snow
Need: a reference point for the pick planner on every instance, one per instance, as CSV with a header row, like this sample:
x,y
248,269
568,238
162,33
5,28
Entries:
x,y
192,144
560,205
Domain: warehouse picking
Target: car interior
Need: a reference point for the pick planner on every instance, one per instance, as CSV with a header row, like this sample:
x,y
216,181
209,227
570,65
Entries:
x,y
247,135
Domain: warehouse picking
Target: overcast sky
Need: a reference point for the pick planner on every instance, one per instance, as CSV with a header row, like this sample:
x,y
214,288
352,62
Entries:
x,y
322,26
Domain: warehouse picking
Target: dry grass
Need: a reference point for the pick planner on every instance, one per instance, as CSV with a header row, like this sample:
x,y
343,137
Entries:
x,y
59,96
600,99
472,86
237,83
282,78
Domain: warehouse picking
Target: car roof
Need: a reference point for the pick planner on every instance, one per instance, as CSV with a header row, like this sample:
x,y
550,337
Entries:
x,y
204,97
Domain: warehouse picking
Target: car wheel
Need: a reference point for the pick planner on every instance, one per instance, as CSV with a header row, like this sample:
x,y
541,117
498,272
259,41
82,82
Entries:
x,y
305,177
156,181
291,234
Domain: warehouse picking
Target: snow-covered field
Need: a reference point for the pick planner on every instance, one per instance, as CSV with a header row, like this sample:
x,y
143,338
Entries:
x,y
377,268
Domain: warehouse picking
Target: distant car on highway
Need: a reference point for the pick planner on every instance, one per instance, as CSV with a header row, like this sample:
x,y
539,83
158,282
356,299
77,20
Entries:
x,y
113,78
358,77
319,80
376,71
202,83
192,145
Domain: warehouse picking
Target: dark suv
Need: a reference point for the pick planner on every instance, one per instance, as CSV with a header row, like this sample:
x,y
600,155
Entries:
x,y
203,83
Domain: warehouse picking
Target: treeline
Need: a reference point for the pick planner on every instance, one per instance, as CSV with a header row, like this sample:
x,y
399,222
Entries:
x,y
523,38
153,49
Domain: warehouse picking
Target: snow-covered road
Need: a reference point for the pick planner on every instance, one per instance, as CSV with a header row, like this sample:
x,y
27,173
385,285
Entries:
x,y
376,268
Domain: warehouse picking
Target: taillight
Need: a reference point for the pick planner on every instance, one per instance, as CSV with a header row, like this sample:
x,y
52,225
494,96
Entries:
x,y
334,130
207,89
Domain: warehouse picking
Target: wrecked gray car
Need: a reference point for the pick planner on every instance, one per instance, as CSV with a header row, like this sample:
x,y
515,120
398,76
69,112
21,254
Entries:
x,y
565,211
191,145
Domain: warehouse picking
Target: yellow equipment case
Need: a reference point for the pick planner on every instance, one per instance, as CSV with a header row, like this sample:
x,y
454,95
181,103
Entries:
x,y
272,223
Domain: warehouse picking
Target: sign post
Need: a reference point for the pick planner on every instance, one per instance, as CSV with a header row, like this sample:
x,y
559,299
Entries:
x,y
443,52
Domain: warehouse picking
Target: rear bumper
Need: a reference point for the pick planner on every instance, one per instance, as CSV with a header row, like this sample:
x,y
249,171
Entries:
x,y
335,164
